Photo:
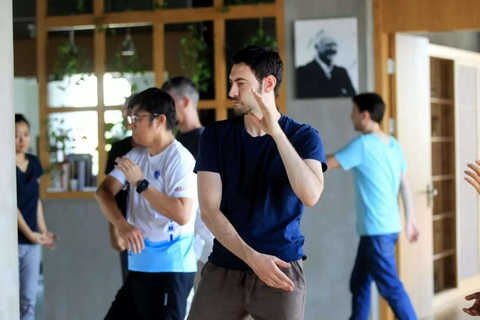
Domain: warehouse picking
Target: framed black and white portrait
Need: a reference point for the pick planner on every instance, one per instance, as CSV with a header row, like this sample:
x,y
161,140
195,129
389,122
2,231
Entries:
x,y
326,58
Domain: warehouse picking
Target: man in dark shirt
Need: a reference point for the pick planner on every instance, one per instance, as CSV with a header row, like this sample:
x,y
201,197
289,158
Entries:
x,y
320,78
119,149
185,94
256,172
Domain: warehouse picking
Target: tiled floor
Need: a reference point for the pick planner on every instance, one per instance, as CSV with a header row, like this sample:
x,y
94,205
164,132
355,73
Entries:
x,y
454,312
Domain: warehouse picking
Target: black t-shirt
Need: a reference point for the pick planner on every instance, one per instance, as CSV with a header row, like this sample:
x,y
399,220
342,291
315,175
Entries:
x,y
191,140
257,197
28,193
119,149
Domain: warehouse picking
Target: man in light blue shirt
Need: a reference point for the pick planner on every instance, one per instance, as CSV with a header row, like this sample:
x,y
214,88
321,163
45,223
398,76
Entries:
x,y
379,168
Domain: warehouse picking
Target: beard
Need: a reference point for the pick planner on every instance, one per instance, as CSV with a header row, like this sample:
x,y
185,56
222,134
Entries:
x,y
244,108
241,110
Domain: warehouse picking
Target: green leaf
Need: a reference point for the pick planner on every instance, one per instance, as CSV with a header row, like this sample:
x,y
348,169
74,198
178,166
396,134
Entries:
x,y
109,126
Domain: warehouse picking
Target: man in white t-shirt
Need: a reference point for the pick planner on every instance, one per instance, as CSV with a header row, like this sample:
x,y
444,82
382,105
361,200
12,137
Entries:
x,y
159,229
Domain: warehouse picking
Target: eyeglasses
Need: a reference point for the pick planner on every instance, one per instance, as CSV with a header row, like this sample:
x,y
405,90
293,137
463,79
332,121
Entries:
x,y
134,119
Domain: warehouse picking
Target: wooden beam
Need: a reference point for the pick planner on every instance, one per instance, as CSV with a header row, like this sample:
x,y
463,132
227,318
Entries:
x,y
280,31
220,68
138,18
69,109
218,4
100,68
61,23
430,15
98,7
158,53
44,149
382,87
207,104
128,18
381,50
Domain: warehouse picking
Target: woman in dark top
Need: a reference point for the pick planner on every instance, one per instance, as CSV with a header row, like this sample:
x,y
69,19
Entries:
x,y
32,231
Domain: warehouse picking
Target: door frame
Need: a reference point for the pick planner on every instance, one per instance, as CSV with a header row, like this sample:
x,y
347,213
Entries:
x,y
402,16
470,59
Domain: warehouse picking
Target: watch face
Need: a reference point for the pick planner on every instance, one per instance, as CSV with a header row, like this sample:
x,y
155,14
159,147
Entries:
x,y
142,186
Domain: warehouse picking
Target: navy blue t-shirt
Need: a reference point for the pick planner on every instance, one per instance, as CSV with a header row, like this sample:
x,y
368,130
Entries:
x,y
257,197
28,193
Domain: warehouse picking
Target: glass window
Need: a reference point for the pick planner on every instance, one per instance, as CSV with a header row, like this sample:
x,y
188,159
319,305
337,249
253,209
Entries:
x,y
178,4
128,5
144,5
115,128
189,53
73,147
70,69
66,8
243,2
78,90
129,66
118,87
206,116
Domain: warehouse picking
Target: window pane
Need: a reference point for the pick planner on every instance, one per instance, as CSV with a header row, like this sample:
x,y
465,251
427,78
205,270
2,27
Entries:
x,y
66,8
117,87
129,63
144,5
70,69
115,128
206,116
173,4
75,91
189,53
128,5
243,2
73,144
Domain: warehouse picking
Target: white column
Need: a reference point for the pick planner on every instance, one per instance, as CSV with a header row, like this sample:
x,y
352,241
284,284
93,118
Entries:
x,y
9,283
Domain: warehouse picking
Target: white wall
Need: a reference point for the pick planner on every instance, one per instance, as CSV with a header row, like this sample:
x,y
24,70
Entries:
x,y
9,305
26,102
466,40
329,227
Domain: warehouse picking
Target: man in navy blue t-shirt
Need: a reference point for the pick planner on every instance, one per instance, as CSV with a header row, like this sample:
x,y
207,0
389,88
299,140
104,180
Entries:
x,y
256,173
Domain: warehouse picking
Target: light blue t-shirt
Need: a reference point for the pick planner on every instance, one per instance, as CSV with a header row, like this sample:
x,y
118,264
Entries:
x,y
377,168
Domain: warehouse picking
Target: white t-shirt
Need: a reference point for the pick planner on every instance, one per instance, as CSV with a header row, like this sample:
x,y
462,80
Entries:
x,y
168,245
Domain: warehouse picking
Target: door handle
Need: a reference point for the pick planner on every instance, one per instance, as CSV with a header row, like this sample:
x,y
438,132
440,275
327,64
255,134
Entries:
x,y
431,193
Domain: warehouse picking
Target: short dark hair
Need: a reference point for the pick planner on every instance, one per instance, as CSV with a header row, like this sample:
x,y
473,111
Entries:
x,y
156,101
372,103
135,98
21,118
263,62
183,87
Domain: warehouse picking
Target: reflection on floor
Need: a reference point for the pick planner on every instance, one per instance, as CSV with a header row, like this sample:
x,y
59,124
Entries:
x,y
455,311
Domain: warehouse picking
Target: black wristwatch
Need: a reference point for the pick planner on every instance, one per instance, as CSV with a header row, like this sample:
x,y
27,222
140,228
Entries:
x,y
142,185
